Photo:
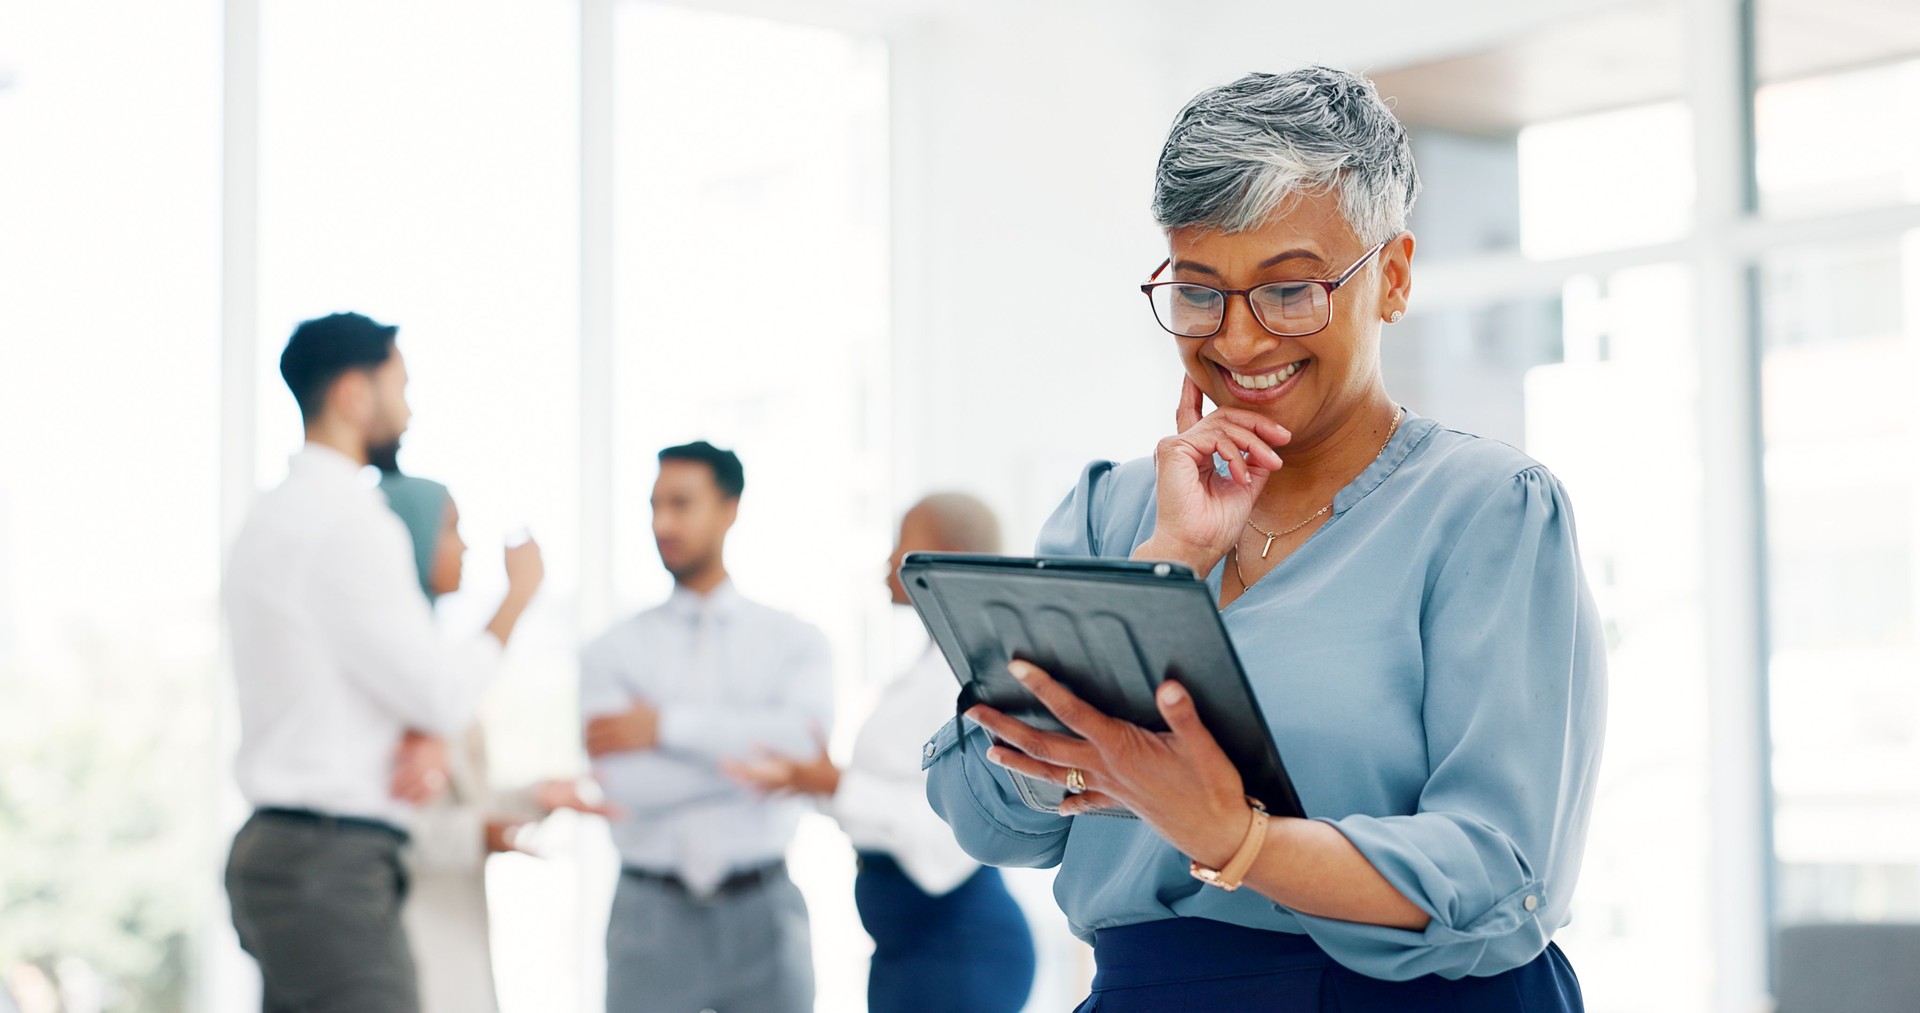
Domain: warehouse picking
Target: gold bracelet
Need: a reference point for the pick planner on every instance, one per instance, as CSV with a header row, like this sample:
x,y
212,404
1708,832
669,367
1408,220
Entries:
x,y
1229,876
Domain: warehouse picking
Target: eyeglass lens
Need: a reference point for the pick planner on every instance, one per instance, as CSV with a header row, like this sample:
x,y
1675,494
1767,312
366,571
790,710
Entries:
x,y
1283,308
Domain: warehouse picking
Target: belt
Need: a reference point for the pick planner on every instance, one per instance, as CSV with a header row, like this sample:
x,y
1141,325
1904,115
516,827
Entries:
x,y
333,822
734,883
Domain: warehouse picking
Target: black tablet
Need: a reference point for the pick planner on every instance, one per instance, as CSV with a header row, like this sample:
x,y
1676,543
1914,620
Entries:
x,y
1111,630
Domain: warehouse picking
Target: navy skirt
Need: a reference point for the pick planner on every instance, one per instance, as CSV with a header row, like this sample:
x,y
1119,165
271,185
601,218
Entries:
x,y
1183,964
968,951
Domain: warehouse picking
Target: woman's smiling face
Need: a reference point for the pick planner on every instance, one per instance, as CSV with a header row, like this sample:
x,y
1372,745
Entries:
x,y
1307,384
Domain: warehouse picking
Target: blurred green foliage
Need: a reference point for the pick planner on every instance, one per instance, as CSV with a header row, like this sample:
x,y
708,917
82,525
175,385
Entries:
x,y
107,779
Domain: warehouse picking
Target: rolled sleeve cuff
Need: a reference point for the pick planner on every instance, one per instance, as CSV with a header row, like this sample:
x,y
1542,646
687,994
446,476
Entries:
x,y
965,789
1484,917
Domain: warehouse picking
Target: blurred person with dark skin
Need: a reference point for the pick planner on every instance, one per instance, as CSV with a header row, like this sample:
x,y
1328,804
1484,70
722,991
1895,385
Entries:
x,y
947,937
336,659
1407,601
705,916
453,836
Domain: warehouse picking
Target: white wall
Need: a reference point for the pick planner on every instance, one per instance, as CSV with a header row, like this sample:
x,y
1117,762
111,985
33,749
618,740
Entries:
x,y
1023,166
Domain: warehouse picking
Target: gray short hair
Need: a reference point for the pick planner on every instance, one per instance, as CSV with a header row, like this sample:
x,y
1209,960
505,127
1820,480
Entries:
x,y
1238,151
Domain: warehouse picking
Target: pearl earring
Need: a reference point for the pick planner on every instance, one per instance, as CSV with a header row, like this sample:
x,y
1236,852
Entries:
x,y
1394,318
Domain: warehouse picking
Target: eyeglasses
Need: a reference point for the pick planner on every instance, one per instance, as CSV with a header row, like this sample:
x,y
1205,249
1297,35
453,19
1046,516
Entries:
x,y
1290,309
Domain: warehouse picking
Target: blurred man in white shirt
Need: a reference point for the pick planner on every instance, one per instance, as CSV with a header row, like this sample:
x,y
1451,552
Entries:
x,y
336,661
705,917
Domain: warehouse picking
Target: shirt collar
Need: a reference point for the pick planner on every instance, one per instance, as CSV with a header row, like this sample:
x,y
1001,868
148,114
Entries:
x,y
1413,431
324,461
724,600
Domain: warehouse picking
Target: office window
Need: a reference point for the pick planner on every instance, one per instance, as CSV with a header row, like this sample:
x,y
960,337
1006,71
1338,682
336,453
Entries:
x,y
1617,421
1842,355
1606,181
109,532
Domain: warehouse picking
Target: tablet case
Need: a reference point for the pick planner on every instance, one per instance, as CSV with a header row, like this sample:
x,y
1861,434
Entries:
x,y
1111,630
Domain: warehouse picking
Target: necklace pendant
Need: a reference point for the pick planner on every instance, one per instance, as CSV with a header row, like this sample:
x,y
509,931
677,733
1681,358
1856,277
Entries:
x,y
1267,547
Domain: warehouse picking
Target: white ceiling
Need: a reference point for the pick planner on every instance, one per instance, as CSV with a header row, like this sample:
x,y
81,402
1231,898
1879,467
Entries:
x,y
1802,37
1612,59
1631,55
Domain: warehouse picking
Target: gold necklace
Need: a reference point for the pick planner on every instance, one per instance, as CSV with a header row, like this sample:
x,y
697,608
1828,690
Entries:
x,y
1393,427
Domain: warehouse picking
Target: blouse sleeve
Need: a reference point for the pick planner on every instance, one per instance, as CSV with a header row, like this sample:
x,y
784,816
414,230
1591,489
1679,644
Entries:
x,y
1514,710
978,798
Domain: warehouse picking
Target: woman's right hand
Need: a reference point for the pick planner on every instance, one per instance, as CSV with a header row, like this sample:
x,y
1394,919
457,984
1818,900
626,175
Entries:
x,y
526,569
1199,511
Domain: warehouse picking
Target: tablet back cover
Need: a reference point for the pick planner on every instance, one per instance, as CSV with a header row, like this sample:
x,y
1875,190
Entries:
x,y
1111,631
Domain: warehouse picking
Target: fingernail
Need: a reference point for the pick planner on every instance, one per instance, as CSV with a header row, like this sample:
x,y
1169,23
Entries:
x,y
973,714
1020,670
1171,693
995,754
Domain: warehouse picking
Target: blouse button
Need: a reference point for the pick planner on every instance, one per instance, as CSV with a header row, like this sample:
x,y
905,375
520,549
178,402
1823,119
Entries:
x,y
927,753
1531,902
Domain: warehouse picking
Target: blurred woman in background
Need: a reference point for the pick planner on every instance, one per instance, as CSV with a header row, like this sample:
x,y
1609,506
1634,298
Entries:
x,y
446,906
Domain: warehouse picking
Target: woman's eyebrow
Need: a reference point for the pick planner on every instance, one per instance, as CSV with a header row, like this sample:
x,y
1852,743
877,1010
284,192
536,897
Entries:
x,y
1289,255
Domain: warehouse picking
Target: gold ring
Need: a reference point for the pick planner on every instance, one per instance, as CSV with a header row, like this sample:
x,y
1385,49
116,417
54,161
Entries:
x,y
1076,781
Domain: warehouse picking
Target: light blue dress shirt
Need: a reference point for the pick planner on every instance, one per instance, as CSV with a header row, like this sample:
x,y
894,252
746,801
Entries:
x,y
730,677
1433,670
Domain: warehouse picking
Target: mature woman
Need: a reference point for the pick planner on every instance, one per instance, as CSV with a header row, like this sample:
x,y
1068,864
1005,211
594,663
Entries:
x,y
1407,600
446,910
947,936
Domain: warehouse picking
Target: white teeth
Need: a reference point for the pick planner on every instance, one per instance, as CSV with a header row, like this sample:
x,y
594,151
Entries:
x,y
1265,380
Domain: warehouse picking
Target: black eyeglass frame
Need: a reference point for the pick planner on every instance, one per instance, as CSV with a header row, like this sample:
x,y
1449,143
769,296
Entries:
x,y
1247,294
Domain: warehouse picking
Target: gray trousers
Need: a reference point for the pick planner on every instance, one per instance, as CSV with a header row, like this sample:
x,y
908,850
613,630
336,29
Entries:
x,y
743,951
318,905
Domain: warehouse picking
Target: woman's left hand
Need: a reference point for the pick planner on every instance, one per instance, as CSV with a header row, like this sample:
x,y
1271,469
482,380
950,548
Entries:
x,y
1179,782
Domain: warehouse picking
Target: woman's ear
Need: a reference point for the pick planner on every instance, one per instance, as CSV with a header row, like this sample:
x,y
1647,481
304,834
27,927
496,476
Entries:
x,y
1396,277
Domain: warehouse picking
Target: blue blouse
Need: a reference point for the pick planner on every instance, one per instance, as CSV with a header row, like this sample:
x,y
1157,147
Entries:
x,y
1433,670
